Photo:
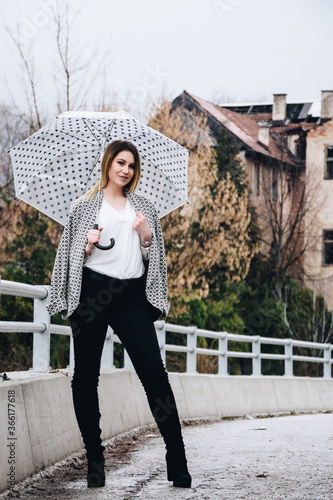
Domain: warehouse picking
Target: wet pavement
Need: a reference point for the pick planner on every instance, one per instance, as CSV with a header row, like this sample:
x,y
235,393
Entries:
x,y
285,457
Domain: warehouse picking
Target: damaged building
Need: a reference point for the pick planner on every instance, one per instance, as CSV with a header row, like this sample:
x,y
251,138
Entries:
x,y
287,153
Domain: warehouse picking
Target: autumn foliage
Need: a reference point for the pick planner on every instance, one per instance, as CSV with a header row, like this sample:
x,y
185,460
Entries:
x,y
214,228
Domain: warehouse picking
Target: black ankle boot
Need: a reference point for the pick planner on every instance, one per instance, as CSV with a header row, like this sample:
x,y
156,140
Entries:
x,y
177,469
96,474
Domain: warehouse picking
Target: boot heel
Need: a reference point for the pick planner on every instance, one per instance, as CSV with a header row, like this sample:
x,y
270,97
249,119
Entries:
x,y
96,462
96,474
177,471
169,470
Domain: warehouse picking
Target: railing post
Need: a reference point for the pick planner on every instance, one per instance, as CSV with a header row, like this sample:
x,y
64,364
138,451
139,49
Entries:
x,y
191,356
127,361
41,341
327,362
107,353
70,366
256,361
288,363
160,332
223,358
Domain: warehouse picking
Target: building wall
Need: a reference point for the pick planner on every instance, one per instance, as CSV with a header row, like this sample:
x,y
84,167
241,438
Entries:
x,y
261,197
291,142
257,196
318,276
320,218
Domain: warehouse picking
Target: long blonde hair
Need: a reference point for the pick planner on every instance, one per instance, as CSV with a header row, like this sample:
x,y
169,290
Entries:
x,y
112,150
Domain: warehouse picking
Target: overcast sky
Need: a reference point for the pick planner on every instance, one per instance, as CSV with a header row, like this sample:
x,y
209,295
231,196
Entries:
x,y
241,49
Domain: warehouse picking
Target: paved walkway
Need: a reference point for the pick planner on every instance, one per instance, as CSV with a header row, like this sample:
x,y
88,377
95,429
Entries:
x,y
287,457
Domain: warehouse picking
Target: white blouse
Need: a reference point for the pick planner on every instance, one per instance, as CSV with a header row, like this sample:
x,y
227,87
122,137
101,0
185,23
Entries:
x,y
124,260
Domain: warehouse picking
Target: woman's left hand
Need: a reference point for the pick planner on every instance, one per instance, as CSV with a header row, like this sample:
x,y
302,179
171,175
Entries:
x,y
141,226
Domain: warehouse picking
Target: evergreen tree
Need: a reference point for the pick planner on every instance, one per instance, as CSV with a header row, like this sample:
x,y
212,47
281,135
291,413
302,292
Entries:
x,y
228,161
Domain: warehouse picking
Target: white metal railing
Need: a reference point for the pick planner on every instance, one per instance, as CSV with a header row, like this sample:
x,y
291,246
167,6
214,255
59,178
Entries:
x,y
42,329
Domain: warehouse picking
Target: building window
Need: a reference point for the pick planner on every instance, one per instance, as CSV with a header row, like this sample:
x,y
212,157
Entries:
x,y
256,179
274,184
329,163
328,248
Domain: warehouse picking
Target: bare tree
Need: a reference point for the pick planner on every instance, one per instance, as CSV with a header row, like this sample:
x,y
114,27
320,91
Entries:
x,y
11,133
77,70
220,97
31,116
287,219
292,203
79,67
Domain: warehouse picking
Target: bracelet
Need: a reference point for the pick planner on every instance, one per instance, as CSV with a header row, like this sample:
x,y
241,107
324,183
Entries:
x,y
146,244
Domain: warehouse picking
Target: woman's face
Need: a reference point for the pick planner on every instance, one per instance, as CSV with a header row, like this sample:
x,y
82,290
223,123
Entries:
x,y
121,170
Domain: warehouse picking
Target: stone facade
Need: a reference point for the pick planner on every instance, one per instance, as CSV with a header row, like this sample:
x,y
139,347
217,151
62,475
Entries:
x,y
318,262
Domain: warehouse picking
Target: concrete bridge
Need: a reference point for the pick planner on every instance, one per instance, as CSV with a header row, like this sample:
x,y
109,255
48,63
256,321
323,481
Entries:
x,y
255,459
250,457
247,458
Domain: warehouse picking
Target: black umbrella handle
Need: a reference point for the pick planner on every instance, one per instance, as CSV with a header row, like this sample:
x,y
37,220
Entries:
x,y
101,247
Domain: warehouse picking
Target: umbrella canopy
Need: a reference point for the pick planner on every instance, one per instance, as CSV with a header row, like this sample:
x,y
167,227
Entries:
x,y
61,161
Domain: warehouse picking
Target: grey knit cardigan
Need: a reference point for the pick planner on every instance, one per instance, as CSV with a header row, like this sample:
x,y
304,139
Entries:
x,y
66,278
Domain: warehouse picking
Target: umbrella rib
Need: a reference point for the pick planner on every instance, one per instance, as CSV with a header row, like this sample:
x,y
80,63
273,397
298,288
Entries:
x,y
89,126
92,169
110,128
70,151
166,176
131,137
78,138
97,157
102,146
148,133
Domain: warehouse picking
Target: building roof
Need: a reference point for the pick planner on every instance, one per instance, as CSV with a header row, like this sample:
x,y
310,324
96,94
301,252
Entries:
x,y
296,110
245,127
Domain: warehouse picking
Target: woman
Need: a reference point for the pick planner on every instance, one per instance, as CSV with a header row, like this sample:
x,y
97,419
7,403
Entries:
x,y
124,287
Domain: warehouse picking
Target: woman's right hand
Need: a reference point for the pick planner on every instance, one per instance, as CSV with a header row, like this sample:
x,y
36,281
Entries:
x,y
93,237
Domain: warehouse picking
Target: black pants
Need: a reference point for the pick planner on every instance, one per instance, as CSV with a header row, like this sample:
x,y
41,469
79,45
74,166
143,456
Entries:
x,y
122,304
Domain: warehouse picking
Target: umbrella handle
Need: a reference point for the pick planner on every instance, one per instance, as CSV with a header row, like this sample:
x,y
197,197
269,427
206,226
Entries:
x,y
101,247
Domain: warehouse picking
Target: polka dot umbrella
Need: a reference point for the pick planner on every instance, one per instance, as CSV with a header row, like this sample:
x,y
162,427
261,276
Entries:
x,y
61,161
